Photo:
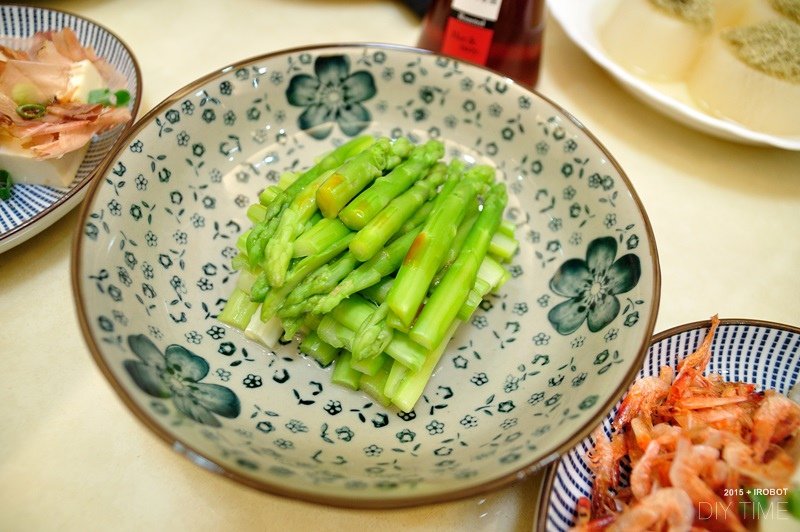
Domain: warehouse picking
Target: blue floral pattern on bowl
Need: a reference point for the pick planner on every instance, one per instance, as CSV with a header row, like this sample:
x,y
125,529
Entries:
x,y
592,287
332,96
154,264
176,374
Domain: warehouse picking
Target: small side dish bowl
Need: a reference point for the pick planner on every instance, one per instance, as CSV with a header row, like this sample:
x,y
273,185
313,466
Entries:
x,y
537,366
33,208
756,352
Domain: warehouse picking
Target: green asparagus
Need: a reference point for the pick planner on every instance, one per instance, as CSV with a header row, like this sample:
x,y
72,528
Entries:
x,y
386,223
428,250
443,305
307,295
263,231
276,297
371,258
371,201
369,273
351,177
280,248
320,236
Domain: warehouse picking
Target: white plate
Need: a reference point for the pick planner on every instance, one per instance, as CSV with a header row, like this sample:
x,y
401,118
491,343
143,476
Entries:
x,y
33,208
581,19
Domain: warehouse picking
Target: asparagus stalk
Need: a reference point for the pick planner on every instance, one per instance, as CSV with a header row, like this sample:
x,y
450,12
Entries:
x,y
400,150
353,311
419,217
373,335
397,374
395,323
245,280
351,177
372,200
343,373
329,331
263,231
313,346
507,228
238,309
241,243
267,333
330,161
260,287
269,193
320,236
442,307
455,246
305,297
384,224
333,332
369,273
275,297
428,250
374,385
491,276
377,293
280,248
370,366
410,389
503,247
256,213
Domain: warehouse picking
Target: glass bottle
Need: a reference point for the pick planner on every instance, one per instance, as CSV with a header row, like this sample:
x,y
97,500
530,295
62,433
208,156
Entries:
x,y
504,35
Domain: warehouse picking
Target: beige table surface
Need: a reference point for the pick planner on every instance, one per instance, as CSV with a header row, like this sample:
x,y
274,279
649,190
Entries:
x,y
726,219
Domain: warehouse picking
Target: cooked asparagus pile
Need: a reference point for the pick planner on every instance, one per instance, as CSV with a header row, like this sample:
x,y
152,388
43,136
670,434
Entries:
x,y
374,256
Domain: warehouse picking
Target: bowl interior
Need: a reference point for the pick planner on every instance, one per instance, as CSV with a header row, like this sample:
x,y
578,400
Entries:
x,y
760,353
531,372
29,203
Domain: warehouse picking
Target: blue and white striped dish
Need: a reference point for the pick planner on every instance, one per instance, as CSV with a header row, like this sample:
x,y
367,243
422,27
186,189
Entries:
x,y
763,353
33,208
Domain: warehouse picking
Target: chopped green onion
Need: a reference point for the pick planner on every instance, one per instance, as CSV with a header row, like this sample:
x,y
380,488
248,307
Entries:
x,y
30,111
5,185
123,97
104,97
793,500
759,500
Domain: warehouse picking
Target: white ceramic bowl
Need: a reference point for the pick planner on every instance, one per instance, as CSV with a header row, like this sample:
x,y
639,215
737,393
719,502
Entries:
x,y
525,380
762,353
33,208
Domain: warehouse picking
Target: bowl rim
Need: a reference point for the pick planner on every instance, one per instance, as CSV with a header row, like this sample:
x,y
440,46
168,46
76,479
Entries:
x,y
12,237
198,458
549,475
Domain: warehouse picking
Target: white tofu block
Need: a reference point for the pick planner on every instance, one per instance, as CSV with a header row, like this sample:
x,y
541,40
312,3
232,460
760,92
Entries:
x,y
83,78
24,168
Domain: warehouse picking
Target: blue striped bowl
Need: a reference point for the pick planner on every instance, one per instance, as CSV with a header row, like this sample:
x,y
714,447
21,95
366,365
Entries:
x,y
33,208
758,352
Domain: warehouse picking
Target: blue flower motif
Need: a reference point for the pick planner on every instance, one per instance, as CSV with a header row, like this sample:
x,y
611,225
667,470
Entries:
x,y
176,374
592,286
334,95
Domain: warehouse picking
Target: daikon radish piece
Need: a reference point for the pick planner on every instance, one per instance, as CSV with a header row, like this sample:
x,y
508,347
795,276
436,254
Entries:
x,y
751,75
764,10
730,12
657,39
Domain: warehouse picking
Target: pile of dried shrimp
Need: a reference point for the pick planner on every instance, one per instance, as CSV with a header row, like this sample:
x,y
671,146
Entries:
x,y
697,446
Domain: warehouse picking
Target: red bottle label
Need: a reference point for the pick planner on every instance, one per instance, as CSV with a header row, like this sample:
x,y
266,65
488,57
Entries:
x,y
467,40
